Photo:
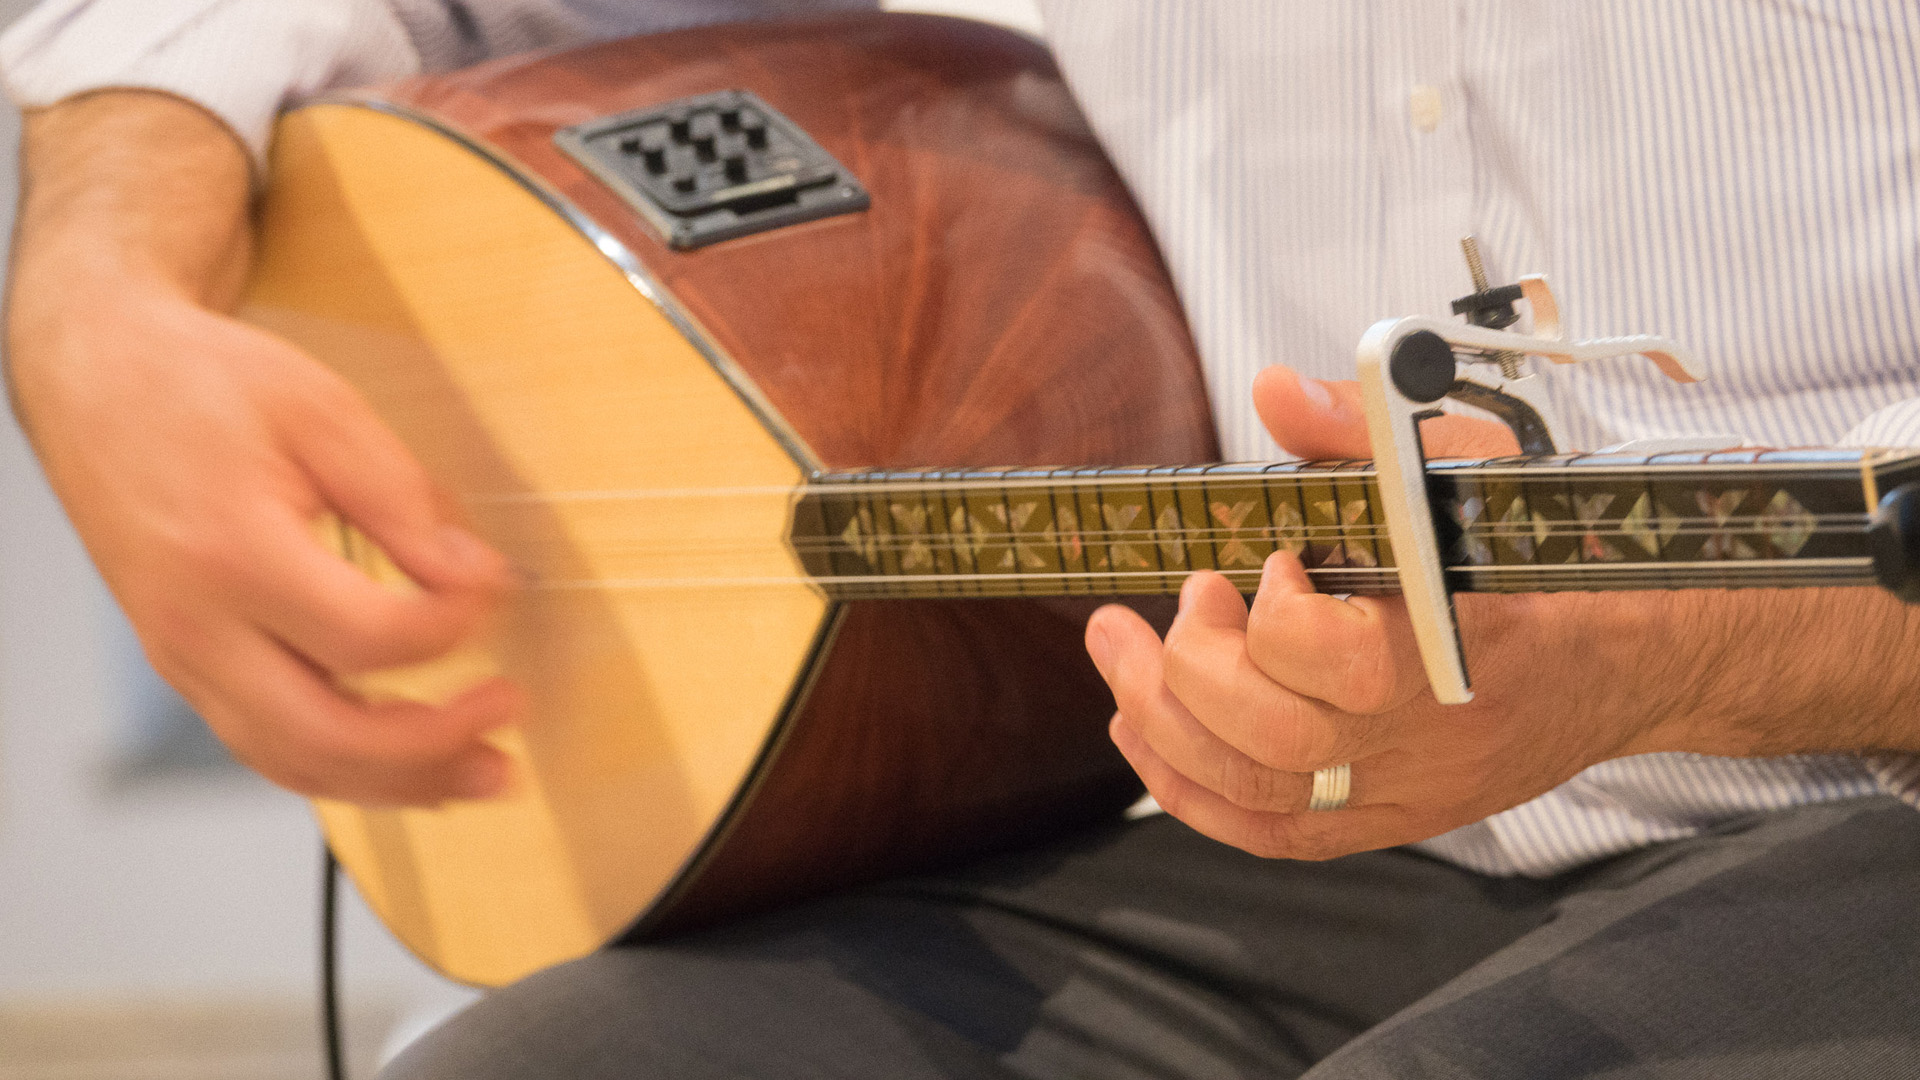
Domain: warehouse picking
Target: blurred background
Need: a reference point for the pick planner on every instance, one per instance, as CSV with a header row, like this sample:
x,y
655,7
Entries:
x,y
158,904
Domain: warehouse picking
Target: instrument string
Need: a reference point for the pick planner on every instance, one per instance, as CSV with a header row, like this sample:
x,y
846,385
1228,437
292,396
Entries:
x,y
1573,576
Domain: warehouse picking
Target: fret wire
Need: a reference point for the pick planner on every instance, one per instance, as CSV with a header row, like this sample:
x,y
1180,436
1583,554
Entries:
x,y
1059,531
882,506
940,555
1013,543
1266,496
1203,484
1166,544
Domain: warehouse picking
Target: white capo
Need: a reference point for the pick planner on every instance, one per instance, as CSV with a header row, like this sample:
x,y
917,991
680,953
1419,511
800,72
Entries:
x,y
1406,366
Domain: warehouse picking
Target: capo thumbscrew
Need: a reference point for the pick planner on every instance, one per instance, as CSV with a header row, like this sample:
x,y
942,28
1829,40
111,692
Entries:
x,y
1489,307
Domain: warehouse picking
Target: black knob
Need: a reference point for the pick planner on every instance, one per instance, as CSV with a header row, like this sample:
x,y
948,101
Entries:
x,y
680,125
703,131
1422,366
755,128
1894,540
737,169
652,143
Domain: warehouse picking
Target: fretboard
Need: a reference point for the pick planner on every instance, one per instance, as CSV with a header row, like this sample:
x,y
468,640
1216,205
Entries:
x,y
1565,522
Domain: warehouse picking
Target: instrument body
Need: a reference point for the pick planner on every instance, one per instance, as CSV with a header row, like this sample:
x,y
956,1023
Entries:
x,y
769,652
585,390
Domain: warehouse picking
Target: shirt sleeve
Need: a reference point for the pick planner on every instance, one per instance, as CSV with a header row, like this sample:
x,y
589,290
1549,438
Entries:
x,y
241,59
245,60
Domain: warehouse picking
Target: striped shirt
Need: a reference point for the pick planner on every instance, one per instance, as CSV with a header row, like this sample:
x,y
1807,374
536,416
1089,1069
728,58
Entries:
x,y
1742,175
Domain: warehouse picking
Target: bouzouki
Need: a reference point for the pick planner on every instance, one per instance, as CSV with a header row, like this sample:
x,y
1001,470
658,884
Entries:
x,y
727,338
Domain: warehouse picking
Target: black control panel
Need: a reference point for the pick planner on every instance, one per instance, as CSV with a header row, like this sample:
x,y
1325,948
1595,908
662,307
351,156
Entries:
x,y
714,167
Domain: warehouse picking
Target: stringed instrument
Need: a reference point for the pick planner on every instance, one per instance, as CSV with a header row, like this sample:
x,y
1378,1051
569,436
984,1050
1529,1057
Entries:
x,y
726,338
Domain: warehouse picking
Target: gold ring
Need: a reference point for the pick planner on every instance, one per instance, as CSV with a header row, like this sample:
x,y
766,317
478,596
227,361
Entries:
x,y
1331,788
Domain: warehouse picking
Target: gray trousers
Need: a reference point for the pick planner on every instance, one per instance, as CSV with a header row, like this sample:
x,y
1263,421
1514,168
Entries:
x,y
1781,945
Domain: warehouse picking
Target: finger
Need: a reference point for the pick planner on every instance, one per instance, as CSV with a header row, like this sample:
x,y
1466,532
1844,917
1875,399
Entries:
x,y
364,471
1312,835
1311,417
1131,662
298,729
1208,668
1316,418
328,611
1357,655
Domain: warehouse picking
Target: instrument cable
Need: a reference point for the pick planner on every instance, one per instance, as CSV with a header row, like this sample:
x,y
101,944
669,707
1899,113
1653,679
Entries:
x,y
329,963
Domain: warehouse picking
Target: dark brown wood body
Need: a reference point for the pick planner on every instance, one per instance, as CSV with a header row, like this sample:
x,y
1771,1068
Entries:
x,y
1000,303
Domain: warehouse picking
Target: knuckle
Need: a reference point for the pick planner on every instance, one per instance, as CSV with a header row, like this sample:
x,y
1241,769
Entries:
x,y
1369,682
1248,784
1293,741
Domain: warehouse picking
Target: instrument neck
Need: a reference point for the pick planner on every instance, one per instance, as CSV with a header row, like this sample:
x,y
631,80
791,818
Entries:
x,y
1507,525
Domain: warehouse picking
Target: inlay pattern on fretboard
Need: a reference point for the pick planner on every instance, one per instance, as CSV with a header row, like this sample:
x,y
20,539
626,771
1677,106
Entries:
x,y
1562,522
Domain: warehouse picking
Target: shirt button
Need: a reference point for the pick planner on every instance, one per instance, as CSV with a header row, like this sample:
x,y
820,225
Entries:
x,y
1424,107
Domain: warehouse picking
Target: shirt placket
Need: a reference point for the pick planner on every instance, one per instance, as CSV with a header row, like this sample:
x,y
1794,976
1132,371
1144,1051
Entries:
x,y
1425,156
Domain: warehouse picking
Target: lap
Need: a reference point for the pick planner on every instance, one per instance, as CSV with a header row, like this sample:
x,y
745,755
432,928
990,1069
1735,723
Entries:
x,y
1786,946
1146,950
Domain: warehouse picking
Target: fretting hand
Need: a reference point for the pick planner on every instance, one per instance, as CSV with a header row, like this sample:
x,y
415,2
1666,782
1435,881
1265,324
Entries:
x,y
1227,720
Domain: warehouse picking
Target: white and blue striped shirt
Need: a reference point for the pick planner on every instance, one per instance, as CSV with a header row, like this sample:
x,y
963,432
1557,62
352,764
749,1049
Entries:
x,y
1743,175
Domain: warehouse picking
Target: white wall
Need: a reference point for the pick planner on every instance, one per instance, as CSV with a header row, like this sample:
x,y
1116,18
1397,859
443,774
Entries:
x,y
202,886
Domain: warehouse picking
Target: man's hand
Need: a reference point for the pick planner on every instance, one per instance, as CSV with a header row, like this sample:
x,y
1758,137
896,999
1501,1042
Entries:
x,y
196,456
1228,719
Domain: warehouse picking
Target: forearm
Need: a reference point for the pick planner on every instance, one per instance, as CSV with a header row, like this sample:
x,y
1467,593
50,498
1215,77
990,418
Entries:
x,y
1801,671
130,185
1759,672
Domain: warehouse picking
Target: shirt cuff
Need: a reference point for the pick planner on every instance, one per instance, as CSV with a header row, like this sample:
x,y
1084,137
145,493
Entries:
x,y
243,60
1897,425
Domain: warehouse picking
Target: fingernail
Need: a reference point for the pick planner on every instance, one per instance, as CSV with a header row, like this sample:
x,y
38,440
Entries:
x,y
1317,394
1099,646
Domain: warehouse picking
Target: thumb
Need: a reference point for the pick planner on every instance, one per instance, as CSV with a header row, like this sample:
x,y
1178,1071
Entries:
x,y
1317,418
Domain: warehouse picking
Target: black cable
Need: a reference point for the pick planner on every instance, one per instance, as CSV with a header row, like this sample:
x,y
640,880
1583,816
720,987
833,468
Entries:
x,y
330,963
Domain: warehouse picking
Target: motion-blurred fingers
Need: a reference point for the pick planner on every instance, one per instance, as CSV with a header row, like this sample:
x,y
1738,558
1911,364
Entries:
x,y
297,728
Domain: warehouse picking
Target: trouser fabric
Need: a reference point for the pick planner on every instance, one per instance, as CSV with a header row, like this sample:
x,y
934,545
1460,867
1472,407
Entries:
x,y
1783,944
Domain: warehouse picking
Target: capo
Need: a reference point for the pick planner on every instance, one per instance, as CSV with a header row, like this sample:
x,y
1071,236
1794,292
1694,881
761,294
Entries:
x,y
1407,366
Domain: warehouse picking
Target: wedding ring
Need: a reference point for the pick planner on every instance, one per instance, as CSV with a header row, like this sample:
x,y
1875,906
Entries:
x,y
1331,788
